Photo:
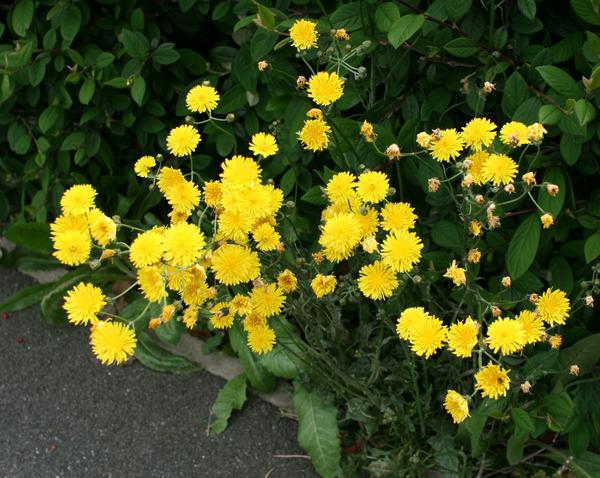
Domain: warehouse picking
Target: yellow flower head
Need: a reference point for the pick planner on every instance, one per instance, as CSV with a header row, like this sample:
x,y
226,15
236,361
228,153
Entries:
x,y
377,281
398,216
183,243
424,139
506,336
182,140
146,249
479,133
456,274
78,199
102,228
152,283
261,339
112,342
168,179
462,337
448,146
234,226
266,237
474,256
369,222
220,319
457,406
314,113
212,193
325,88
287,281
499,169
340,235
240,305
341,187
314,135
514,134
428,335
267,300
183,198
401,250
323,285
409,319
202,98
475,227
372,186
263,144
234,264
493,381
533,326
536,132
143,166
304,34
366,130
478,161
554,307
190,316
69,223
547,220
240,170
72,247
83,302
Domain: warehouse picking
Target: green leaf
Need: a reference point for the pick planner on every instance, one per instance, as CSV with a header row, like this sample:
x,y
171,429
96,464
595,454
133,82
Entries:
x,y
258,376
138,90
135,43
527,8
37,71
33,235
385,16
266,16
170,332
104,59
262,43
515,446
348,16
461,47
553,204
314,196
579,438
22,14
549,114
150,354
18,138
584,111
561,274
318,431
456,9
404,28
591,248
448,234
515,93
71,22
523,246
165,54
587,10
570,149
522,420
560,81
231,397
283,360
86,92
26,298
220,10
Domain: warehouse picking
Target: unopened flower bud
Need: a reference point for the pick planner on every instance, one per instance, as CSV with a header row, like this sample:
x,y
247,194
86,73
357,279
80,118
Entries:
x,y
552,189
393,151
107,254
206,83
290,204
362,72
230,118
367,44
506,281
154,323
159,157
189,119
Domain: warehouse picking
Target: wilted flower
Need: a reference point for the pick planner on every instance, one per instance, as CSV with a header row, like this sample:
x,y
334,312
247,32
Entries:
x,y
433,184
262,65
506,281
474,256
552,189
574,370
488,87
509,188
526,387
393,151
529,178
547,220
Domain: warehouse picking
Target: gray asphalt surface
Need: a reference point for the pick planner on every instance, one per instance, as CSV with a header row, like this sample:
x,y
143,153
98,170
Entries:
x,y
64,414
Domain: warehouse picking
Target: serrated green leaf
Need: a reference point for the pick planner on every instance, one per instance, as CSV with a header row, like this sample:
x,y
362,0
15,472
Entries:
x,y
584,111
523,246
231,397
25,298
404,28
560,81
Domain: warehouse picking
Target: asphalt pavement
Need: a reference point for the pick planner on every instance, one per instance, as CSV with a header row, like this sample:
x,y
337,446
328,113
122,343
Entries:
x,y
62,414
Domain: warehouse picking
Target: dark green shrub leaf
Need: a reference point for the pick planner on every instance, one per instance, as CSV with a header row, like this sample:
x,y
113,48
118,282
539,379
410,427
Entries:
x,y
385,16
522,420
560,81
314,196
584,111
448,234
71,22
18,138
515,446
527,8
570,149
549,115
404,28
104,59
165,54
579,438
591,249
587,10
515,93
22,15
457,9
86,92
231,397
347,16
523,246
461,47
266,16
138,90
553,204
135,43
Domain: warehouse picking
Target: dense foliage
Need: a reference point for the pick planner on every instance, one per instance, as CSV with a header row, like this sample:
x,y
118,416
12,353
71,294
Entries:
x,y
87,88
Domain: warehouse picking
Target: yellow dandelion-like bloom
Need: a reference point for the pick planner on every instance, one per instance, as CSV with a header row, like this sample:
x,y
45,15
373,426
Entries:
x,y
536,132
456,274
367,131
514,134
72,247
457,406
263,144
462,337
304,34
184,198
409,320
325,88
183,243
261,339
83,302
398,216
428,335
146,249
478,161
554,307
369,222
475,227
234,226
190,316
112,342
151,283
219,318
287,281
341,187
267,300
240,305
323,285
234,264
212,193
266,237
182,140
506,336
401,250
479,133
102,228
474,256
253,320
314,135
240,170
78,199
195,290
532,325
377,281
340,236
499,169
372,186
168,179
555,341
69,223
143,166
448,146
202,99
493,381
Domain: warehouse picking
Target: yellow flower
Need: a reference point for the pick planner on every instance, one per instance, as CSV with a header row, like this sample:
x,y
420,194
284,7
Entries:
x,y
493,381
409,320
372,186
325,88
323,285
448,146
266,237
478,161
183,140
554,307
240,305
143,166
424,139
78,199
69,223
456,274
72,247
340,235
514,134
547,220
401,250
366,130
499,169
377,281
287,282
532,325
398,216
183,243
457,406
267,300
234,264
427,336
102,227
475,227
314,135
304,34
341,187
195,289
190,316
240,170
218,318
369,222
183,198
202,98
474,256
263,144
234,226
261,339
462,337
168,179
112,342
146,249
83,302
536,132
212,193
506,336
479,133
151,283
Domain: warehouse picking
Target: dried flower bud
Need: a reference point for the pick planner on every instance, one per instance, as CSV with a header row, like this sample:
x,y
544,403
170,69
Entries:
x,y
506,281
436,134
318,257
167,312
488,87
107,254
467,163
366,130
533,298
496,311
509,188
154,323
433,184
589,301
555,341
300,81
341,34
314,113
536,132
493,221
526,387
479,199
467,181
552,189
263,65
474,256
280,247
574,370
393,151
370,244
529,178
423,139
